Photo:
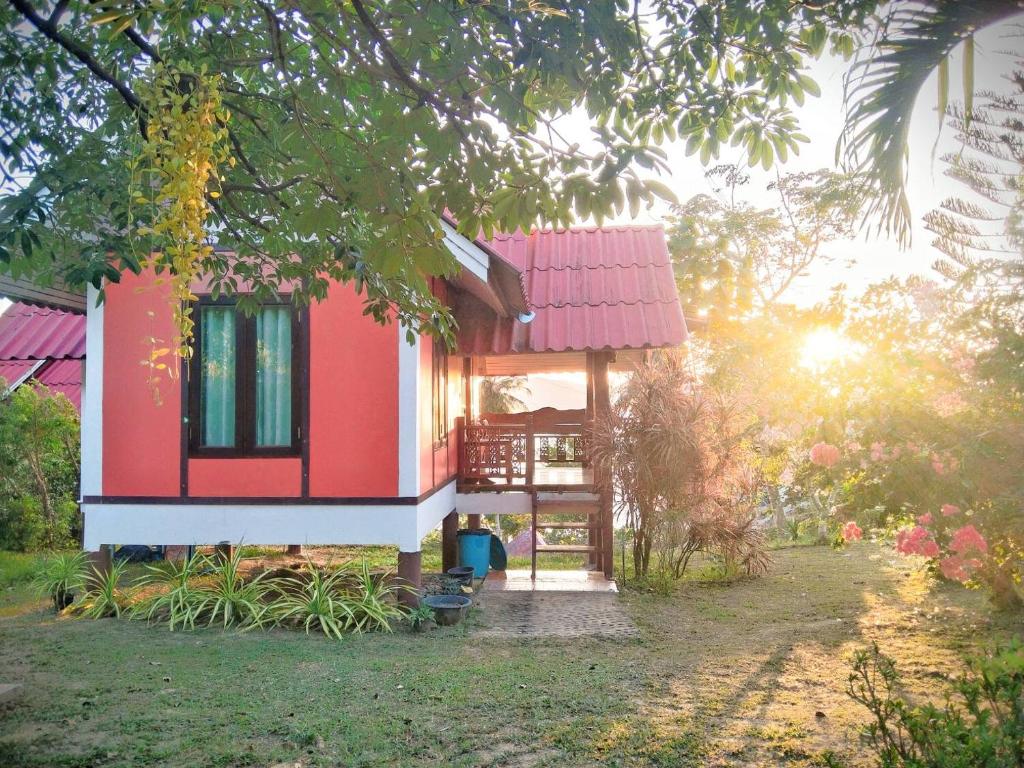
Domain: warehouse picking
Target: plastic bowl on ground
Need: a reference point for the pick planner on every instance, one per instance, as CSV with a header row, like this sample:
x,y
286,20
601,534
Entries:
x,y
448,609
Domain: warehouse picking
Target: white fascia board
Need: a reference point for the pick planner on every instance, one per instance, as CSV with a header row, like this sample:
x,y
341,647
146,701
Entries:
x,y
484,503
401,525
24,377
92,399
432,510
470,255
409,396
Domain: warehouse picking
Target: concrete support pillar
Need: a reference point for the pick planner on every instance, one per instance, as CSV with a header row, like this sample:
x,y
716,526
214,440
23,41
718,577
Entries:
x,y
295,549
450,541
410,578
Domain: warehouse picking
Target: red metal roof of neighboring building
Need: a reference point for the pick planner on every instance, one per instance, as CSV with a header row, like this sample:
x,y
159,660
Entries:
x,y
30,335
64,376
591,288
39,333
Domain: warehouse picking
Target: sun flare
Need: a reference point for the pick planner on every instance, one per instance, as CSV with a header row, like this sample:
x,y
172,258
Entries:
x,y
824,346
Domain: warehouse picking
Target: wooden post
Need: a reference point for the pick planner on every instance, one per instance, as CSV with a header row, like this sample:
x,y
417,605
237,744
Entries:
x,y
225,551
593,535
450,541
473,522
101,560
410,578
530,450
602,407
294,549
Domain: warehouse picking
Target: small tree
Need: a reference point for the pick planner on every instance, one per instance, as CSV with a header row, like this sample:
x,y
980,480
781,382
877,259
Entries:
x,y
674,451
39,469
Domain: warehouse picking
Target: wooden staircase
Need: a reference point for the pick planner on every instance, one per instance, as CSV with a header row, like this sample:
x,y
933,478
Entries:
x,y
567,510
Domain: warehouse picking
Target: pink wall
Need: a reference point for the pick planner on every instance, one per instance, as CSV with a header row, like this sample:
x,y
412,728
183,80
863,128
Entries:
x,y
141,423
245,477
353,401
438,464
353,437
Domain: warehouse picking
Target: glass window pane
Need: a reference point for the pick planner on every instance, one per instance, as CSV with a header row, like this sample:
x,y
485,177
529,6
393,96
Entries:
x,y
274,376
217,376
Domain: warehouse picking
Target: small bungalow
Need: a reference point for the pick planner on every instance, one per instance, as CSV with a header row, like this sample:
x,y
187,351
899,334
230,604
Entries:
x,y
320,426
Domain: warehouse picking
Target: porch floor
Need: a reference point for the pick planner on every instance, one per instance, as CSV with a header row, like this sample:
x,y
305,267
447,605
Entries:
x,y
547,581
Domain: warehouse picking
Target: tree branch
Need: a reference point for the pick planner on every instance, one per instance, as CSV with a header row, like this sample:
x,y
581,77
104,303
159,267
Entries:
x,y
48,28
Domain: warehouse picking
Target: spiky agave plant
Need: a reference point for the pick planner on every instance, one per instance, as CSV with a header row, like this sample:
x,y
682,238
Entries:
x,y
59,576
227,598
177,595
374,602
318,602
103,596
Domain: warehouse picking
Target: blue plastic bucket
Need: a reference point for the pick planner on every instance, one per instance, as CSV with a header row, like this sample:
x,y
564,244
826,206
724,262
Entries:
x,y
475,550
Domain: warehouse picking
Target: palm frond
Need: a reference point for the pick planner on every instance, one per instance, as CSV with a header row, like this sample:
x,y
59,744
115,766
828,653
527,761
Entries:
x,y
882,88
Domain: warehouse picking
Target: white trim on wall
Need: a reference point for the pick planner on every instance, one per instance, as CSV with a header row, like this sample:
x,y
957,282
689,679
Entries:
x,y
401,525
409,397
92,399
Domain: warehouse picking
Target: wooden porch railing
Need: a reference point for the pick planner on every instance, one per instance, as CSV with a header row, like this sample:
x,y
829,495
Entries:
x,y
506,453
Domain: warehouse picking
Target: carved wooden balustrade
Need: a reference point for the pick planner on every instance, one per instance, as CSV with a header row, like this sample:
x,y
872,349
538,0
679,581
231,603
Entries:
x,y
504,449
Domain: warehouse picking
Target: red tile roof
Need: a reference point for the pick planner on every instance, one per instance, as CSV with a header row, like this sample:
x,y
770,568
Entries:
x,y
593,288
39,333
29,334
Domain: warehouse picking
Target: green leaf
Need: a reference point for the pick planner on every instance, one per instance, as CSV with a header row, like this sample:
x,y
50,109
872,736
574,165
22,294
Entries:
x,y
968,80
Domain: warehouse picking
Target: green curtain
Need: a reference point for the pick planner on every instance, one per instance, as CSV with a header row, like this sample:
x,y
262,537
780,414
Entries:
x,y
217,394
274,376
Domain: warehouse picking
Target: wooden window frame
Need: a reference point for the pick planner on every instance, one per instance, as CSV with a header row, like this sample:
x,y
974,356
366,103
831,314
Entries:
x,y
245,386
439,393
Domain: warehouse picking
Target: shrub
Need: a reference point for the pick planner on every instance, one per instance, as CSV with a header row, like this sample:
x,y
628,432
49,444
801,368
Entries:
x,y
226,597
60,576
374,602
315,601
981,724
103,596
676,452
175,596
39,461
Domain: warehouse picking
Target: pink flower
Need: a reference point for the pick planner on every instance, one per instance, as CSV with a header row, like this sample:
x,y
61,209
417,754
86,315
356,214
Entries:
x,y
929,549
877,451
948,510
938,465
824,455
925,519
957,568
967,539
953,568
910,541
852,532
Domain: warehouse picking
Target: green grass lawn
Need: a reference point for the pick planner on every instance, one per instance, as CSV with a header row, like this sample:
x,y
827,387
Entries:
x,y
725,674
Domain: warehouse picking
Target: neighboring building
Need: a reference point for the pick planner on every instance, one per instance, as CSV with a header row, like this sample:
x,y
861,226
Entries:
x,y
42,344
320,426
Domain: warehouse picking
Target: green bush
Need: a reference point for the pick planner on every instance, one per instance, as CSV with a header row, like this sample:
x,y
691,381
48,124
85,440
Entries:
x,y
60,576
39,468
981,724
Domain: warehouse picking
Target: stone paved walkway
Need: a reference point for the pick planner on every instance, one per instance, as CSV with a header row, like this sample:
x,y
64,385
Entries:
x,y
553,614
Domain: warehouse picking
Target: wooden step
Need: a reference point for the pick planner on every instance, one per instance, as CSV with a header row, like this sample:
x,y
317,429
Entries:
x,y
568,508
588,526
576,549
